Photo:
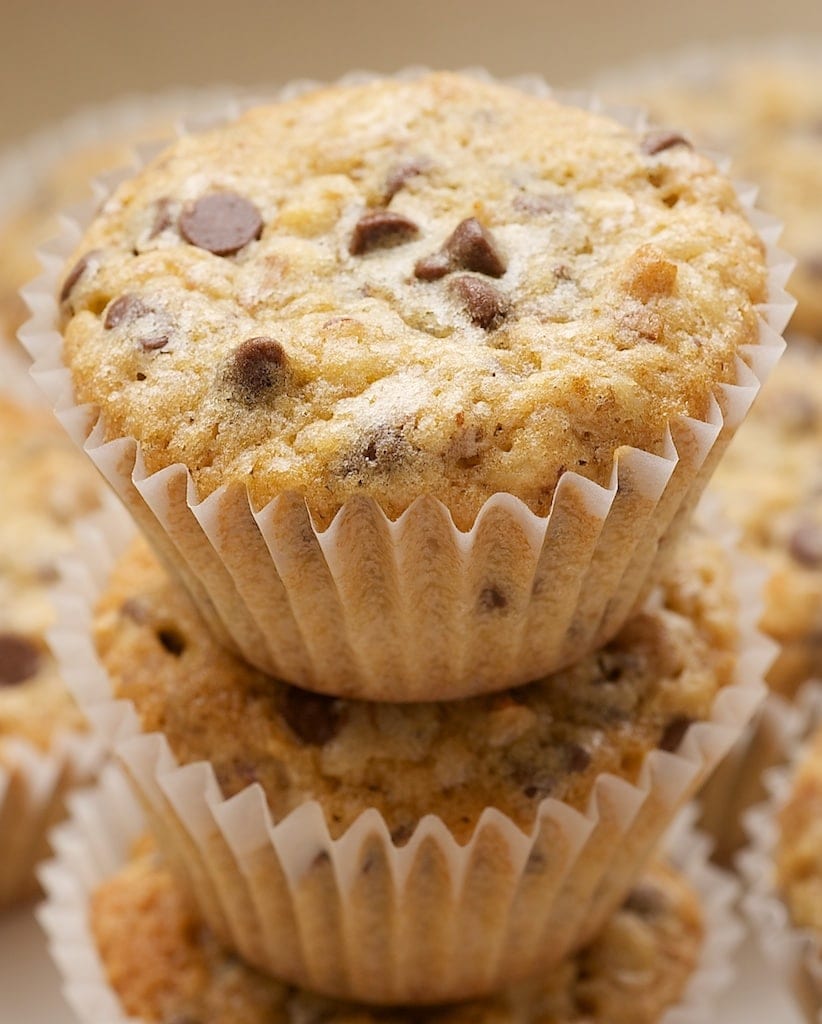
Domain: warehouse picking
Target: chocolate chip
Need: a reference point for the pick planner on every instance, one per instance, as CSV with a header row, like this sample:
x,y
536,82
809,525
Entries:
x,y
172,640
402,173
401,834
152,342
380,230
258,369
162,217
433,267
646,901
222,223
577,758
77,272
674,733
312,717
485,305
805,545
610,666
469,247
378,451
128,307
658,141
19,659
492,599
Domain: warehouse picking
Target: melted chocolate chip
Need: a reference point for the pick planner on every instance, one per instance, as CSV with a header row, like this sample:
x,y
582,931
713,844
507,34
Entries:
x,y
313,718
674,733
485,305
222,223
805,545
77,272
19,659
660,140
469,247
492,599
380,230
128,307
400,174
646,901
258,369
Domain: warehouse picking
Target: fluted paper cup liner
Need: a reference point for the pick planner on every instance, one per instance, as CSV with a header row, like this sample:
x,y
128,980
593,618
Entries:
x,y
33,789
358,916
392,610
795,953
107,821
739,782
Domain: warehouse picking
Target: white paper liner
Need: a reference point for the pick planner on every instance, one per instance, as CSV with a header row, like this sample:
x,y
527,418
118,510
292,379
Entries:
x,y
33,789
106,821
357,916
363,608
738,783
795,953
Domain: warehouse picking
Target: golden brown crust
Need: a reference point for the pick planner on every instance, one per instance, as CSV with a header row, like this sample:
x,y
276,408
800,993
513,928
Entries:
x,y
499,309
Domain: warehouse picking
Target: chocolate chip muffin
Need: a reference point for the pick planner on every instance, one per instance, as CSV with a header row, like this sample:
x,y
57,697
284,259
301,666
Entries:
x,y
442,301
764,110
499,784
770,485
410,288
798,853
46,485
163,965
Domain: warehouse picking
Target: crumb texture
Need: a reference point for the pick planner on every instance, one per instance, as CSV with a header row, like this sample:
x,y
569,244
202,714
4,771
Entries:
x,y
509,750
469,290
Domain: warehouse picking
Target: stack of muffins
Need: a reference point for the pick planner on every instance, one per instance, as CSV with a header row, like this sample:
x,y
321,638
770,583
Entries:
x,y
412,387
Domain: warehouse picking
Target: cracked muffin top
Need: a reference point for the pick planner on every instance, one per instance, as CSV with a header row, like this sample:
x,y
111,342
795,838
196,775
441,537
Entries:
x,y
443,286
165,966
510,750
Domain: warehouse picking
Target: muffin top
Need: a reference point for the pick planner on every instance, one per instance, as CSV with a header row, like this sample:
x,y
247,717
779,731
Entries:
x,y
510,750
798,854
770,485
443,286
165,966
46,485
763,110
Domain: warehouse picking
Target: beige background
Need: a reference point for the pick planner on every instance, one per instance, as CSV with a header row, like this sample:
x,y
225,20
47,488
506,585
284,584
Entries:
x,y
59,54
